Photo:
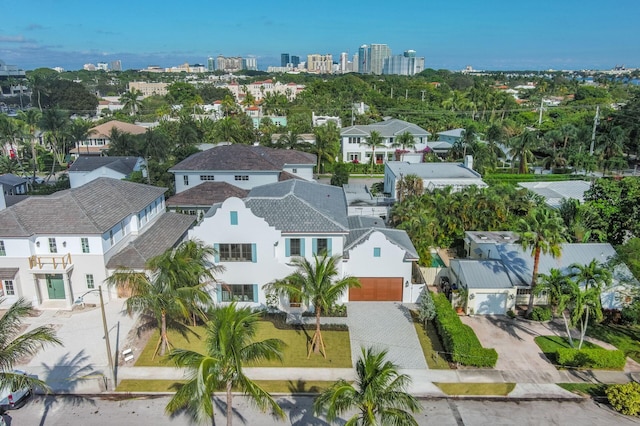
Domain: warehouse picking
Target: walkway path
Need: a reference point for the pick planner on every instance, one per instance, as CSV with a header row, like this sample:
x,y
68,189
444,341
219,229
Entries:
x,y
385,325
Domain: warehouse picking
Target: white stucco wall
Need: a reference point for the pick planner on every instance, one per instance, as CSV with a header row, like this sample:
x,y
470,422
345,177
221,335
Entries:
x,y
255,178
304,171
77,179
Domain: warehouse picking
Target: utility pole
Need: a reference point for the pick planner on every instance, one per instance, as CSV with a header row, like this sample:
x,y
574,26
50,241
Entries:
x,y
596,121
391,92
422,91
406,94
540,118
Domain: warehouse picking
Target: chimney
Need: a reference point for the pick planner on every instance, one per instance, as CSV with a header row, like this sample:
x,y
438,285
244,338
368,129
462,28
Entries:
x,y
468,162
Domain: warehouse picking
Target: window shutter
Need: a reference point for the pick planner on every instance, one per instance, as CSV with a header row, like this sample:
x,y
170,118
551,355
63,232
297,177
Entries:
x,y
219,292
314,245
254,254
329,247
216,257
255,293
302,247
234,218
287,247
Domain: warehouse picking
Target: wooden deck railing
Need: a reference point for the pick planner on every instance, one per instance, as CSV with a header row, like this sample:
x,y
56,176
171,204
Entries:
x,y
57,262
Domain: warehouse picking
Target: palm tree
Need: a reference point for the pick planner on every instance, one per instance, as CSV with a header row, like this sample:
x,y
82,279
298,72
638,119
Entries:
x,y
55,122
555,285
131,102
316,284
542,231
521,149
290,139
173,288
592,275
374,140
229,345
327,143
405,140
379,395
15,345
31,118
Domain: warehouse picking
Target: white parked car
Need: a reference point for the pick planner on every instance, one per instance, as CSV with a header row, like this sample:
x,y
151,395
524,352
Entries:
x,y
14,398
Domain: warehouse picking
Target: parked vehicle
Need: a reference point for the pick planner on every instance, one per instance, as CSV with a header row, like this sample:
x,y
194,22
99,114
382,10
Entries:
x,y
14,398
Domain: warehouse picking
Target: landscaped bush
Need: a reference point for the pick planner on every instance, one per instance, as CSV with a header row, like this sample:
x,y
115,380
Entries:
x,y
335,311
631,314
591,358
356,168
625,398
459,339
540,313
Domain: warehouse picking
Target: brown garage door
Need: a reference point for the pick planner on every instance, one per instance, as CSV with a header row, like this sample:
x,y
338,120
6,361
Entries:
x,y
377,289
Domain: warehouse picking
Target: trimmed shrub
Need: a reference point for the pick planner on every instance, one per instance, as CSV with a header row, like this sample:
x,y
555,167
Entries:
x,y
540,313
511,314
591,358
625,398
459,339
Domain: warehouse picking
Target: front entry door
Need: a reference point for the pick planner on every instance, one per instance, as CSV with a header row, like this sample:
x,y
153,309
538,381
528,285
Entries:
x,y
55,286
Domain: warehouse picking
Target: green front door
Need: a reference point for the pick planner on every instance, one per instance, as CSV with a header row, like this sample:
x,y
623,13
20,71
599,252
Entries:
x,y
55,286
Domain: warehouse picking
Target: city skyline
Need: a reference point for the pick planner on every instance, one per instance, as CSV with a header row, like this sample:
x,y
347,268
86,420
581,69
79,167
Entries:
x,y
495,34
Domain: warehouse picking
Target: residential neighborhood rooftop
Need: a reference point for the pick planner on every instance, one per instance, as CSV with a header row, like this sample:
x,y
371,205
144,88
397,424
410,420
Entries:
x,y
89,163
206,194
103,131
387,128
433,170
555,192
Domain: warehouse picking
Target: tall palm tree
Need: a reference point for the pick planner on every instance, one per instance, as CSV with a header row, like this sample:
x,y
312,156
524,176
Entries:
x,y
172,289
230,344
379,395
290,139
55,122
373,141
555,285
405,140
131,101
521,149
592,275
327,143
31,118
316,284
15,345
542,231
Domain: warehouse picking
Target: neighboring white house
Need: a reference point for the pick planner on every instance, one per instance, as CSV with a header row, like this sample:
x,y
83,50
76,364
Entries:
x,y
258,237
498,271
55,248
87,168
13,185
244,166
434,175
98,138
354,139
555,192
451,136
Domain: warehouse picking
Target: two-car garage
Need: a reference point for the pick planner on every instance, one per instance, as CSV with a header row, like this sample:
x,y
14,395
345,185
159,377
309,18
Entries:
x,y
378,289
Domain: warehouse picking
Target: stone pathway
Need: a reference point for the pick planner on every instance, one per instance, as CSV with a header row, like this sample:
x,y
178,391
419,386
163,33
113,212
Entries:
x,y
385,325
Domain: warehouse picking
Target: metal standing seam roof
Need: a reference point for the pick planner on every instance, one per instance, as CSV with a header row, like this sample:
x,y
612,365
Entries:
x,y
433,170
93,208
555,192
482,274
163,234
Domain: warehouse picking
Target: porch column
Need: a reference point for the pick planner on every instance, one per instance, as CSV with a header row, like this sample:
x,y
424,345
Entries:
x,y
38,293
67,290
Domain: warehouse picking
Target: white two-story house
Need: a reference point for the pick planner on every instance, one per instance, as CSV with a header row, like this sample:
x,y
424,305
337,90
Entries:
x,y
354,138
55,248
244,166
258,237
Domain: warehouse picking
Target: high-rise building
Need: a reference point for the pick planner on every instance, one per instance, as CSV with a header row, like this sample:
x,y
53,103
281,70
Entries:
x,y
284,60
211,64
405,64
295,61
321,64
250,64
229,64
116,65
364,65
344,60
377,54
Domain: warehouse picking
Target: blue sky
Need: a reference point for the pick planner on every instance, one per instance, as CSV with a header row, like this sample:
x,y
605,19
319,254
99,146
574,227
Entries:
x,y
489,34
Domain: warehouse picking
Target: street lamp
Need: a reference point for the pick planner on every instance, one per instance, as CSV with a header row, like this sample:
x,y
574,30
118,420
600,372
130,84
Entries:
x,y
80,301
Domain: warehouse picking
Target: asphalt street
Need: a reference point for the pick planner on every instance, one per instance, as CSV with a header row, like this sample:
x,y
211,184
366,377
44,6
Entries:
x,y
79,411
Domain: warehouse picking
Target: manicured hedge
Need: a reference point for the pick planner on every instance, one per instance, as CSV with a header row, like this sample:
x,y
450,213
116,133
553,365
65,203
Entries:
x,y
591,358
459,339
625,398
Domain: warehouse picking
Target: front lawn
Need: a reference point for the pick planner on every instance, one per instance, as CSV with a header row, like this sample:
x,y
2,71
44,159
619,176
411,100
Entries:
x,y
271,386
550,344
431,346
297,342
595,390
624,337
501,389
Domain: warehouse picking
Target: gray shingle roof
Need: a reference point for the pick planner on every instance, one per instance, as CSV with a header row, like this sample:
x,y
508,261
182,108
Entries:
x,y
165,233
361,227
206,194
11,180
90,209
387,128
300,206
244,157
88,163
555,192
482,274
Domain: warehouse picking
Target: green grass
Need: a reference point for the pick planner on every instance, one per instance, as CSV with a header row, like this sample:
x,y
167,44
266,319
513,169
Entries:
x,y
297,342
624,337
271,386
431,346
591,389
550,344
500,389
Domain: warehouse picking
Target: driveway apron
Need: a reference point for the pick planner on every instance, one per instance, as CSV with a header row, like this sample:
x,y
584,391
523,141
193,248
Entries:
x,y
385,325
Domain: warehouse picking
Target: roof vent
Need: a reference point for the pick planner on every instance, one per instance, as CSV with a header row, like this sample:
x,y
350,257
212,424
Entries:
x,y
482,236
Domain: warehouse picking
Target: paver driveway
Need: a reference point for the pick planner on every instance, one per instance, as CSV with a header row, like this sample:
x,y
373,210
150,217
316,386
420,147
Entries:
x,y
385,325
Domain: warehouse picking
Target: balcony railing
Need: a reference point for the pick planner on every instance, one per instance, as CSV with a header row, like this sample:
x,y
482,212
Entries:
x,y
50,262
